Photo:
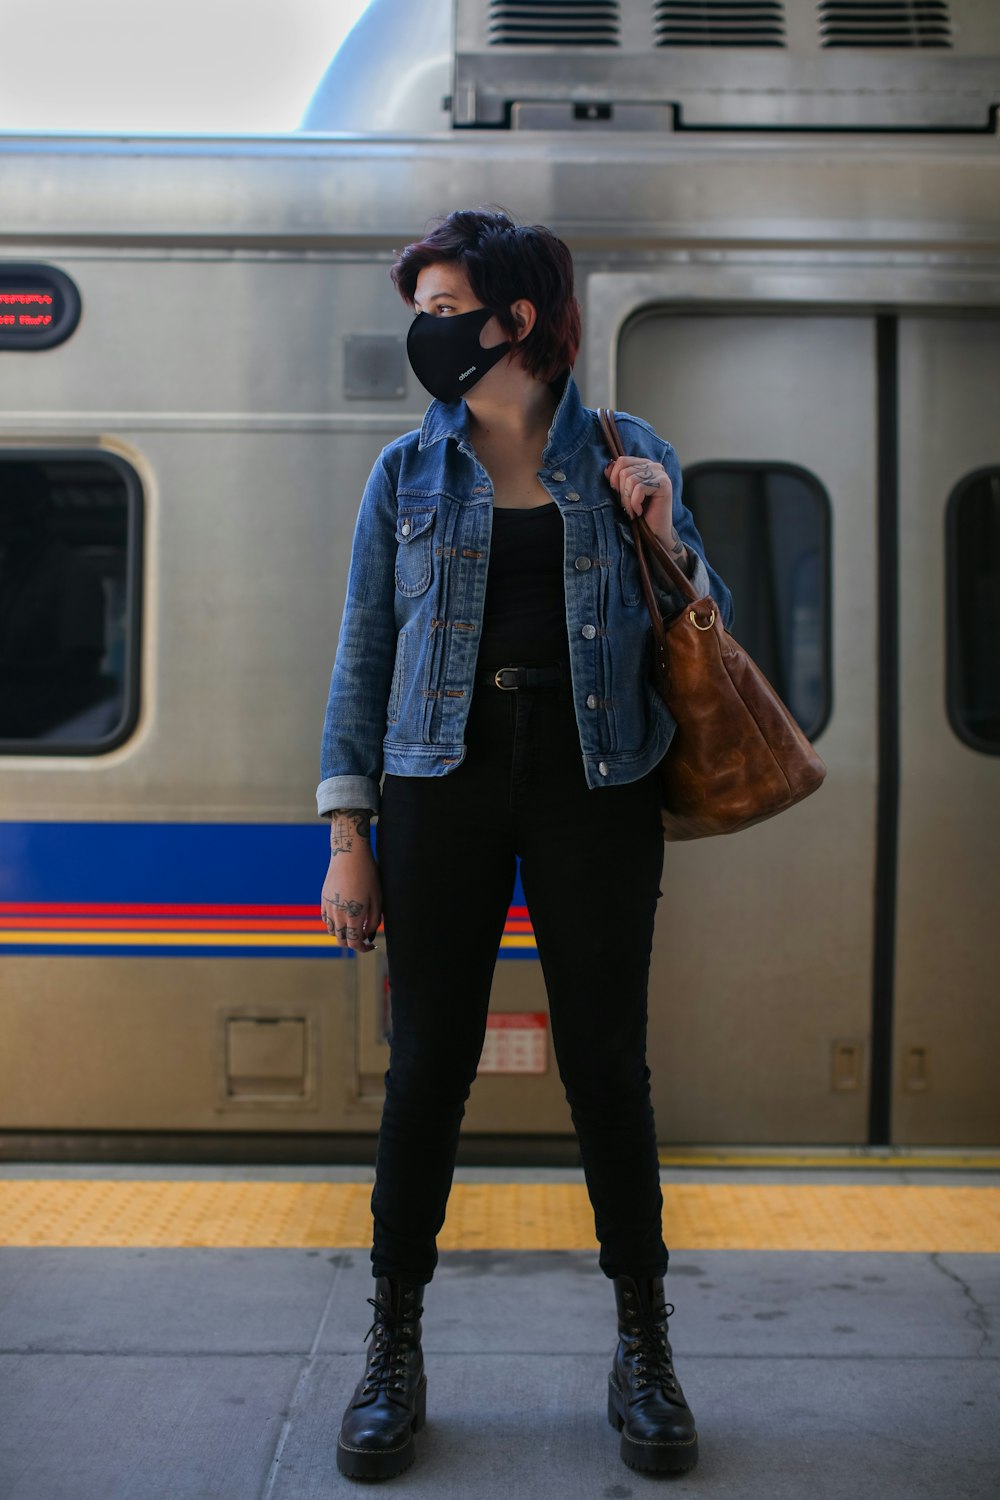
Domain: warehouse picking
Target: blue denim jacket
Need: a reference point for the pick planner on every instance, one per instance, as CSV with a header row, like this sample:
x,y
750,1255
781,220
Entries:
x,y
409,639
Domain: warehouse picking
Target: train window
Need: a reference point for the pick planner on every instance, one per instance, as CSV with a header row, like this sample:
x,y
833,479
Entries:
x,y
973,610
70,554
766,528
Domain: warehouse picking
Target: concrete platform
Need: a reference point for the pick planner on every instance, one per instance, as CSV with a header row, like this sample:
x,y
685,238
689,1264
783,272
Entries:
x,y
140,1374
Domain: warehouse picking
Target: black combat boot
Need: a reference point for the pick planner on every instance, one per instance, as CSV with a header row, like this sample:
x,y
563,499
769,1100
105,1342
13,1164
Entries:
x,y
390,1401
645,1401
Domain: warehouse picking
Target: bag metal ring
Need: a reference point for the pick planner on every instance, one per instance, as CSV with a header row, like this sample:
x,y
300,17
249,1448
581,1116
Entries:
x,y
697,623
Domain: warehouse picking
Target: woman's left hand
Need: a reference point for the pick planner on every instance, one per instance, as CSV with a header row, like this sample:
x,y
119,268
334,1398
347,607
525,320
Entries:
x,y
645,489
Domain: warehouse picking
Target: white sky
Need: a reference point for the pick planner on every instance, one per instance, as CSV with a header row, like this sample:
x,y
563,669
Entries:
x,y
165,65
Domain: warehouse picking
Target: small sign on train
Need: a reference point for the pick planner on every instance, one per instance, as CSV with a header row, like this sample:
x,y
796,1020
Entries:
x,y
516,1042
39,306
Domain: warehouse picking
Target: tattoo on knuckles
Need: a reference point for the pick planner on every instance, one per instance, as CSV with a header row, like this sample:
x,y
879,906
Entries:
x,y
350,935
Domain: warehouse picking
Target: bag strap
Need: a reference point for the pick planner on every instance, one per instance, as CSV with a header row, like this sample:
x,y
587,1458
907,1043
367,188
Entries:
x,y
647,543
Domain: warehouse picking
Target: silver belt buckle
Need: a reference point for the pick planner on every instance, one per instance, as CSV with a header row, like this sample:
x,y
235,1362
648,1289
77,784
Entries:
x,y
505,687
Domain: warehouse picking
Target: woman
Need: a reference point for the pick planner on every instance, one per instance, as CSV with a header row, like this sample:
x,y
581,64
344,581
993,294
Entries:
x,y
493,664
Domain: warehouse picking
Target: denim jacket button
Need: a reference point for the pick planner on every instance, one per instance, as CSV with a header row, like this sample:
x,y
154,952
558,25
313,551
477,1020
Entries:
x,y
405,528
572,495
602,766
588,632
558,475
582,564
591,700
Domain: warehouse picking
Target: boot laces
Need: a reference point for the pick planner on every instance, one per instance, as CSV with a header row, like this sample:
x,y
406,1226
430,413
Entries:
x,y
650,1350
387,1356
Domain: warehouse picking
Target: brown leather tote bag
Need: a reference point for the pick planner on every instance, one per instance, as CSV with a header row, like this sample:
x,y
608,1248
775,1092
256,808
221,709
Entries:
x,y
737,756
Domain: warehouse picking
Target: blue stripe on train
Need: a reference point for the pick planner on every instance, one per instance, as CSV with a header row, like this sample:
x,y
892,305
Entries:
x,y
43,949
259,864
195,864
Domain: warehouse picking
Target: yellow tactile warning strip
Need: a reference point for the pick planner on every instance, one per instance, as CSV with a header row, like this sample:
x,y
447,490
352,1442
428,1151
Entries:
x,y
862,1159
509,1216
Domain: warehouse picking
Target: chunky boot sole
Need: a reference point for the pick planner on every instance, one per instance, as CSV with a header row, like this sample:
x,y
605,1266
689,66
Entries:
x,y
664,1458
383,1463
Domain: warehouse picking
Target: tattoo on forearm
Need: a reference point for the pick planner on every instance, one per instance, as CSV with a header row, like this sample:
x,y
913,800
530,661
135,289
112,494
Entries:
x,y
341,839
681,555
346,825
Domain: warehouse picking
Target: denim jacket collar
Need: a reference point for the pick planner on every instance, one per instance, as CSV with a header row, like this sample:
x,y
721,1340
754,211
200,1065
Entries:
x,y
572,425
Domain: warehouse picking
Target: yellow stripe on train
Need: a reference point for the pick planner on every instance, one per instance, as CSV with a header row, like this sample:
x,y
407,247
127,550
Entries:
x,y
200,939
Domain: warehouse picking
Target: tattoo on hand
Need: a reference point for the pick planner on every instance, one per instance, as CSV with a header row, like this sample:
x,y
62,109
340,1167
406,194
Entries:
x,y
352,908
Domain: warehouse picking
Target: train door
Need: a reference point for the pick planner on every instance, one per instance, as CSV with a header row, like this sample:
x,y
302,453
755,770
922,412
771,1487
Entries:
x,y
761,990
947,1022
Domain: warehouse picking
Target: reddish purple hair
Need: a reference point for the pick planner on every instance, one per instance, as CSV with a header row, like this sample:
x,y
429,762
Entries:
x,y
505,261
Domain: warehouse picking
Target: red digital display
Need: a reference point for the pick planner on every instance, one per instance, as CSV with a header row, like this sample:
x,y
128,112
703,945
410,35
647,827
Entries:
x,y
39,306
37,301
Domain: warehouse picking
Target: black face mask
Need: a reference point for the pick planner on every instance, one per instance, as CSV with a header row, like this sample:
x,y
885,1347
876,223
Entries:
x,y
445,353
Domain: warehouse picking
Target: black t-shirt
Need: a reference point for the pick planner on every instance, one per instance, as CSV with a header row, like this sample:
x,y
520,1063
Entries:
x,y
524,622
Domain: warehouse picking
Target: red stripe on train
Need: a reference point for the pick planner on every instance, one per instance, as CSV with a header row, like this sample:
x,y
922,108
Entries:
x,y
167,909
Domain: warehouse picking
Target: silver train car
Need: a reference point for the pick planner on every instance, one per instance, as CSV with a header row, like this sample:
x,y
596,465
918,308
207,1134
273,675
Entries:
x,y
785,218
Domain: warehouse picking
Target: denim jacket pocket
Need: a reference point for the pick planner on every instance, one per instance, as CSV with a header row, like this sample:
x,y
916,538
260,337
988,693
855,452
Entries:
x,y
398,675
631,584
414,534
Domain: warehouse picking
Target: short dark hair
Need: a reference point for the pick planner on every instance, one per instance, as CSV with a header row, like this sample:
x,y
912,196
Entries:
x,y
505,261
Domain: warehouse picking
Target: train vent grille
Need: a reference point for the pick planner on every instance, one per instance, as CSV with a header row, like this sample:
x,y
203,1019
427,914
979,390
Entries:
x,y
884,23
555,23
719,23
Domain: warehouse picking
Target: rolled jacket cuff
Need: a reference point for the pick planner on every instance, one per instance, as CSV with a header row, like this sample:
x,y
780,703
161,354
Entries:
x,y
347,791
700,578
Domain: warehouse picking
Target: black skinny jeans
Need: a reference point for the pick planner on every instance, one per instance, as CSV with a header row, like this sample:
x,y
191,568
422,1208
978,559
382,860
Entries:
x,y
590,866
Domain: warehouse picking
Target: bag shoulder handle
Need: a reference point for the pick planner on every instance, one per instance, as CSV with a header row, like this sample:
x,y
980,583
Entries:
x,y
647,543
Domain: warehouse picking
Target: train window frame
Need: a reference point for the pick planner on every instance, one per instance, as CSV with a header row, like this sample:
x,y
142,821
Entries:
x,y
26,341
132,616
952,592
815,485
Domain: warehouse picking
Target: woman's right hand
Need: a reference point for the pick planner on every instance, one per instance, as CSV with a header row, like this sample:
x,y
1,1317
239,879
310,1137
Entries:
x,y
351,904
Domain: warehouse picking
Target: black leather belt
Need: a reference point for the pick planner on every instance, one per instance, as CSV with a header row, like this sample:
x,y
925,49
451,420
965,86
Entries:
x,y
511,679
